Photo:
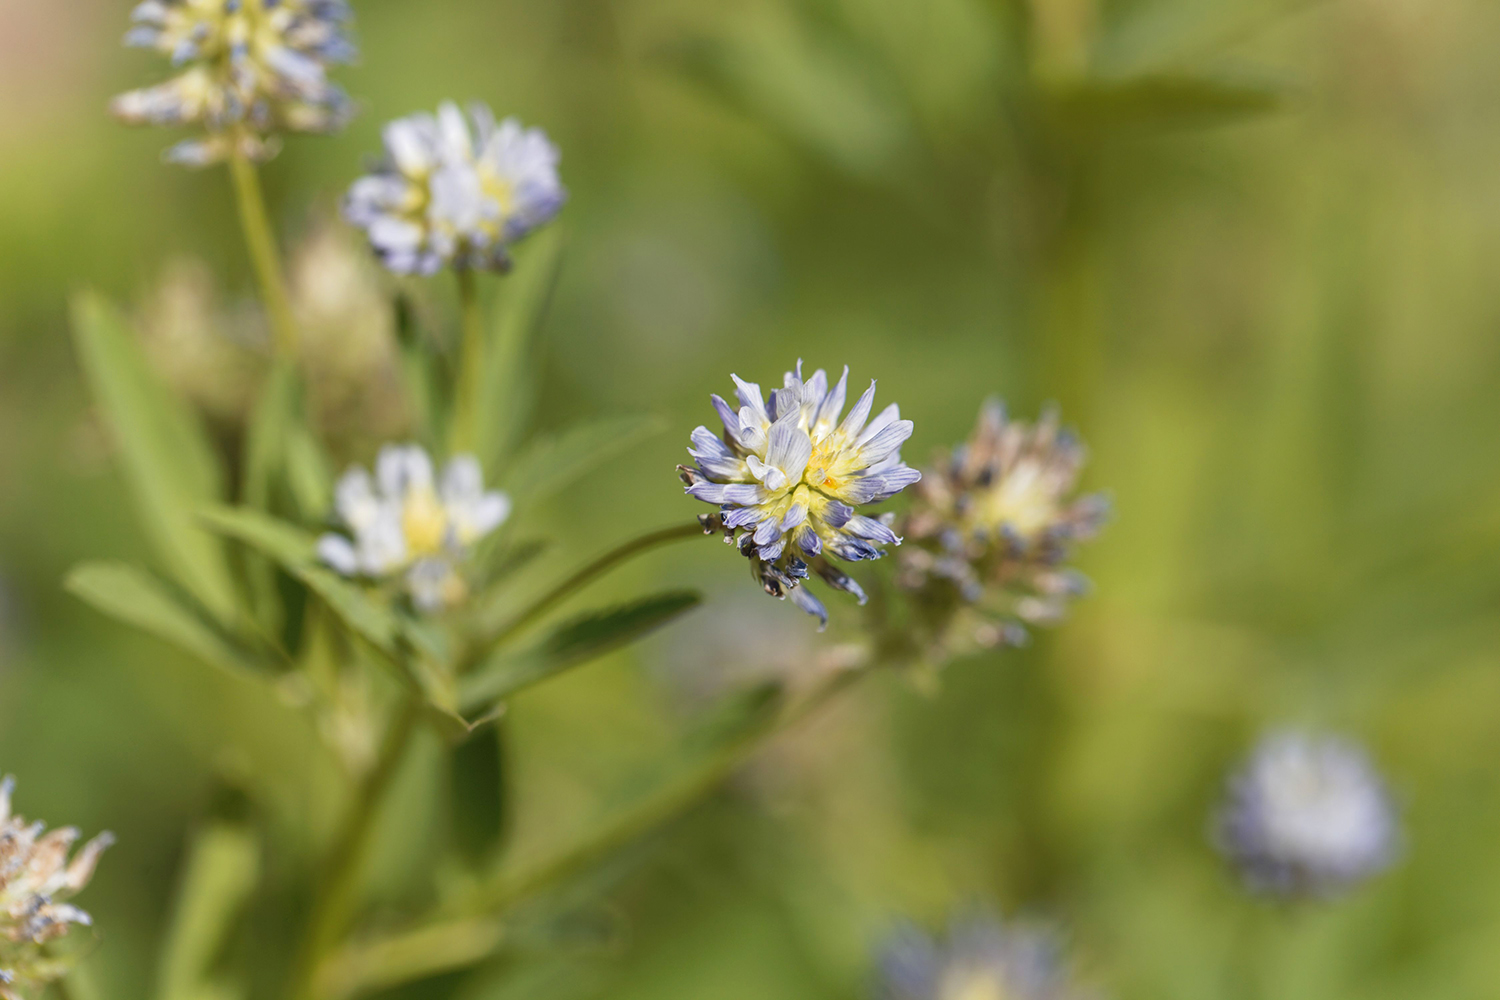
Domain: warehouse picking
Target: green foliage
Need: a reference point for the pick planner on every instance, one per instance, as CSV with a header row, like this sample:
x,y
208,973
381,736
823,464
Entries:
x,y
137,598
585,638
554,461
165,458
221,872
508,383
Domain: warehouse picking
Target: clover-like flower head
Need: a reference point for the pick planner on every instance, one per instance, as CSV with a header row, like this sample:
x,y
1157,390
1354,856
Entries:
x,y
1308,816
788,474
408,525
249,69
980,959
36,878
994,522
451,195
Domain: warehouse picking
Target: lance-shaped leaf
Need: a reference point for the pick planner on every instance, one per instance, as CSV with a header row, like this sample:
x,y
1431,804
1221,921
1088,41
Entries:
x,y
1162,101
138,598
360,968
420,652
571,644
222,871
164,455
508,382
296,551
554,461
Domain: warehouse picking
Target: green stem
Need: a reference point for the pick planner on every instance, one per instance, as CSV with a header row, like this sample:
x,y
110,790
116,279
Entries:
x,y
577,581
464,434
261,243
636,823
479,916
340,883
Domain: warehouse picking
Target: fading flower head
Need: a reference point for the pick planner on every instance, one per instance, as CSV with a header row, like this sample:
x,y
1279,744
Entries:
x,y
455,191
980,959
249,69
994,522
788,474
37,877
408,524
1307,816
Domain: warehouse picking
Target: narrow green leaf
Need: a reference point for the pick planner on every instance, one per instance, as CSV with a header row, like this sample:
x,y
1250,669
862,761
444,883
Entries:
x,y
308,475
138,598
1163,101
222,871
166,459
477,799
296,551
438,947
554,461
508,385
576,642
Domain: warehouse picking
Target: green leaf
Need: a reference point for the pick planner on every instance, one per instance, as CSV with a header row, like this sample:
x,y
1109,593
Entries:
x,y
138,598
554,461
222,871
583,639
308,475
508,384
477,799
1163,101
166,459
296,551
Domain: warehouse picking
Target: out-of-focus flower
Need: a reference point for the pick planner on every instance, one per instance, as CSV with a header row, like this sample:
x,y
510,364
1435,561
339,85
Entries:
x,y
348,341
215,352
994,522
981,959
250,69
1307,816
407,524
36,879
451,195
787,476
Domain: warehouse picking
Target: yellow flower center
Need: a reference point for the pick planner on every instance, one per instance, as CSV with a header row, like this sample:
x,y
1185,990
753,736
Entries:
x,y
1020,500
424,523
973,986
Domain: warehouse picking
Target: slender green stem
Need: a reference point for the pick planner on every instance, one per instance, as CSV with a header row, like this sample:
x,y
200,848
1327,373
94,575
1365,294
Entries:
x,y
577,581
261,243
482,911
634,823
464,434
340,882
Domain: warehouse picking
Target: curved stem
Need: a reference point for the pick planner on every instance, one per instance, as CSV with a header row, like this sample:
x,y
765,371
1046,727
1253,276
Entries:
x,y
580,579
261,243
637,822
478,919
463,435
335,900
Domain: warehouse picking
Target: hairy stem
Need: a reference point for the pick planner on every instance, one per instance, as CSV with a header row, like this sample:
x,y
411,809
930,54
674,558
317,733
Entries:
x,y
464,433
261,243
332,907
580,579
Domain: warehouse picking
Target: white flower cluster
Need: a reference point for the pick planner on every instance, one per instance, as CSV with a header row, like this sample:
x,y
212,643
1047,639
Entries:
x,y
447,195
406,523
250,68
1308,815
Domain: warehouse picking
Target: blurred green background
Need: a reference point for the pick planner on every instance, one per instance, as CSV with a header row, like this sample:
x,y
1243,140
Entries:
x,y
1249,246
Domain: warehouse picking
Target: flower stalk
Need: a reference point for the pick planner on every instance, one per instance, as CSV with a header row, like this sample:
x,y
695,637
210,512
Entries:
x,y
336,898
584,576
260,241
464,432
